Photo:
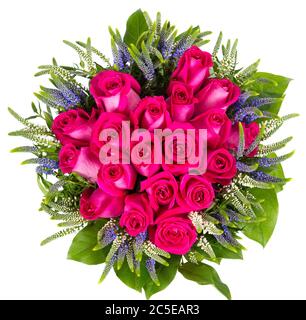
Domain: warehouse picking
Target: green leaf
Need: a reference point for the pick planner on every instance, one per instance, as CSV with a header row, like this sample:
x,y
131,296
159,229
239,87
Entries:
x,y
135,26
223,253
34,107
241,145
269,85
165,276
43,184
262,231
220,252
130,278
81,249
204,274
48,119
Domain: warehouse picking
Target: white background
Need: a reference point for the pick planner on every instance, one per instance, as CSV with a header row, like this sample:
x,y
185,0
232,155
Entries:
x,y
31,33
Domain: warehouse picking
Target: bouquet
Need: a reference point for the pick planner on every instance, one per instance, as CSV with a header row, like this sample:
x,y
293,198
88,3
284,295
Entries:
x,y
158,160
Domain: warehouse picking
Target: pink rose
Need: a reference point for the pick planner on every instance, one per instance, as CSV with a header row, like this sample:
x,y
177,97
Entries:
x,y
80,161
251,132
221,166
217,93
143,159
137,215
115,91
178,149
181,101
151,113
162,190
116,179
107,120
73,126
174,234
196,193
218,126
95,204
193,67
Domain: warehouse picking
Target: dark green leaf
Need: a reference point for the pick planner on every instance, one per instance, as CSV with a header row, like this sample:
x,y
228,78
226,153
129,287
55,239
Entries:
x,y
204,274
135,26
165,276
130,278
81,249
261,231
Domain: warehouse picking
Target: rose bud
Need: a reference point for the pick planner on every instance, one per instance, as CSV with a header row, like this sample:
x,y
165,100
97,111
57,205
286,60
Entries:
x,y
80,161
151,113
181,101
115,91
193,68
217,93
137,214
95,204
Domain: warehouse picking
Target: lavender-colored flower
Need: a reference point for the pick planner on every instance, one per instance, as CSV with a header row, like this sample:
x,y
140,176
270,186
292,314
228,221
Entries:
x,y
118,58
259,102
48,163
44,170
108,237
269,162
242,167
227,235
241,101
140,239
250,113
233,216
150,266
66,95
219,217
264,177
184,44
122,251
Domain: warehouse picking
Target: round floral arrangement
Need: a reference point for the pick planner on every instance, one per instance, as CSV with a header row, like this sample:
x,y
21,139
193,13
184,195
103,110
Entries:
x,y
158,160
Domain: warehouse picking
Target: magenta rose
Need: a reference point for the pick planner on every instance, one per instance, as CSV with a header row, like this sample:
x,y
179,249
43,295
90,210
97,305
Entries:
x,y
151,113
74,126
221,166
174,234
193,68
178,149
137,214
217,93
251,132
142,158
162,190
80,161
107,120
195,193
218,126
115,91
181,101
95,204
116,179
